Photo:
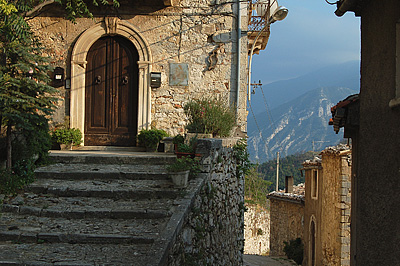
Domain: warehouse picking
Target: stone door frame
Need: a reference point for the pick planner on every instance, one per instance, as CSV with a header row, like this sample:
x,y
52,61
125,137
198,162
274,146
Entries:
x,y
110,26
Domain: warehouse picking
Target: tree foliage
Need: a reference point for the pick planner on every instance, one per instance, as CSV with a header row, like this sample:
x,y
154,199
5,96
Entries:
x,y
26,98
256,188
288,166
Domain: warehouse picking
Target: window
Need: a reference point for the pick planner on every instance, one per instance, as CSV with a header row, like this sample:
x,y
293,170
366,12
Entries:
x,y
314,184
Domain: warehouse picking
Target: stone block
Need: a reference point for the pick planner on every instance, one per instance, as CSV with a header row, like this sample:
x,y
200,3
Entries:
x,y
49,237
9,208
30,210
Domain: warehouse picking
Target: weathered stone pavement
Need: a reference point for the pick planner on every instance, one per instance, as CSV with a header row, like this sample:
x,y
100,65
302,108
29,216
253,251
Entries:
x,y
95,208
256,260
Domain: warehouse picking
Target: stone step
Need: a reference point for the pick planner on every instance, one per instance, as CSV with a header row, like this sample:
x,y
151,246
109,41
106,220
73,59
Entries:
x,y
27,237
113,189
61,254
81,171
84,207
24,228
112,157
85,213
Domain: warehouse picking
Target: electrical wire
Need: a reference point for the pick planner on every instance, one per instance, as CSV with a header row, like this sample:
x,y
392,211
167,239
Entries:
x,y
271,120
258,127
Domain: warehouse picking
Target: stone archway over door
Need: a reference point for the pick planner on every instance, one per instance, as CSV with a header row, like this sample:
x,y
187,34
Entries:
x,y
111,93
109,27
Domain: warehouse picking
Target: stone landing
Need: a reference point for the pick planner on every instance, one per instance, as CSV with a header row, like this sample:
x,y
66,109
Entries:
x,y
96,208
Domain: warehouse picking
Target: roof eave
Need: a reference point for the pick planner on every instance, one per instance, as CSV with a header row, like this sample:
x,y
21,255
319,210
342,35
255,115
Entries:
x,y
348,5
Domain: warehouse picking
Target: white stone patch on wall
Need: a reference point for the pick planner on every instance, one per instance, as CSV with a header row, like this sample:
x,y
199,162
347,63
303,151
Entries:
x,y
256,230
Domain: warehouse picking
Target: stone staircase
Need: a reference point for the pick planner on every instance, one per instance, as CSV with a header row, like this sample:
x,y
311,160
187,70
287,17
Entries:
x,y
96,208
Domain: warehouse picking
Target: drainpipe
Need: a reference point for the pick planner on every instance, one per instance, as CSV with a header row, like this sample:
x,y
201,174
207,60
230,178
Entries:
x,y
239,36
345,5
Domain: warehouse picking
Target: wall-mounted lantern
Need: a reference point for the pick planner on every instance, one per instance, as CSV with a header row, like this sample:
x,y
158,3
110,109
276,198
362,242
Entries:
x,y
58,78
155,79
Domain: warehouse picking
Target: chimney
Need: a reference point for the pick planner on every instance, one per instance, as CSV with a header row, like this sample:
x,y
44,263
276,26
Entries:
x,y
289,184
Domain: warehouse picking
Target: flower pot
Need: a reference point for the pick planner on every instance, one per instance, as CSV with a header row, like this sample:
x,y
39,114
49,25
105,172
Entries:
x,y
66,147
180,179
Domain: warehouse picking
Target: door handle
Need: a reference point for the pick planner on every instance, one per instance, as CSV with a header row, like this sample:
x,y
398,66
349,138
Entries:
x,y
97,80
125,80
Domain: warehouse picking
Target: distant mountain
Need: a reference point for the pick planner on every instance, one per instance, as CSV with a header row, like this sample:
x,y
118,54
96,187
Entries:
x,y
296,126
345,75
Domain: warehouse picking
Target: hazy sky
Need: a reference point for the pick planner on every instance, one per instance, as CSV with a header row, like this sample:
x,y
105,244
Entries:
x,y
309,38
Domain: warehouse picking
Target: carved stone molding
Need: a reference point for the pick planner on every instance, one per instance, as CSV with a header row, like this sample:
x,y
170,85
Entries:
x,y
111,25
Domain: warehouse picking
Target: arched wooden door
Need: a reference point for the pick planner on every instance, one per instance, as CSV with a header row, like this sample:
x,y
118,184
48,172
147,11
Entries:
x,y
111,93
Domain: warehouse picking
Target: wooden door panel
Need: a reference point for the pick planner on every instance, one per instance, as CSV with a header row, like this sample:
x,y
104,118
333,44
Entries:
x,y
123,121
111,111
96,97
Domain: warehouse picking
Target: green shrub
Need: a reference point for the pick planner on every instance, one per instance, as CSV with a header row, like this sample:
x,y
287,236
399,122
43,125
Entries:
x,y
68,136
210,116
256,189
294,250
22,173
181,164
243,164
185,163
178,139
150,138
188,148
30,146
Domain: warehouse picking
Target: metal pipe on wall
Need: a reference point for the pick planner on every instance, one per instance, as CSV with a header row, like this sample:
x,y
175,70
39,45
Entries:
x,y
239,36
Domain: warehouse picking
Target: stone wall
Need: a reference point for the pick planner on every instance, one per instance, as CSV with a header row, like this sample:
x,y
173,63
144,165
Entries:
x,y
212,233
375,188
199,33
287,220
329,210
256,230
345,201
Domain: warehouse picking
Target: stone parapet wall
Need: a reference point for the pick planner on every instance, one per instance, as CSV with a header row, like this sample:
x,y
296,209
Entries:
x,y
256,230
287,222
212,233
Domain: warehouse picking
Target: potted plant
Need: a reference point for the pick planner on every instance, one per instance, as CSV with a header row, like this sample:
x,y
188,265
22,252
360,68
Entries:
x,y
179,171
150,138
210,116
178,139
67,137
187,148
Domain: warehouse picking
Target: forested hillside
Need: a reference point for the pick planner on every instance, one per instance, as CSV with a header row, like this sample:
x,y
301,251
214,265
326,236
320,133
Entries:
x,y
288,166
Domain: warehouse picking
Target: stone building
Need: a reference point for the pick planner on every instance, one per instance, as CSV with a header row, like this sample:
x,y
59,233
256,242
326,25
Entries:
x,y
256,230
327,208
287,218
375,135
135,66
319,213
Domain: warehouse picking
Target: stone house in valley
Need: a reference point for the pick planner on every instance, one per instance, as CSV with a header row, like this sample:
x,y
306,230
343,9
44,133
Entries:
x,y
286,217
327,208
372,122
134,67
319,214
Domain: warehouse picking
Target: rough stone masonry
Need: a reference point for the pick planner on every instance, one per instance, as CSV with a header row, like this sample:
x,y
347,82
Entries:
x,y
192,44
